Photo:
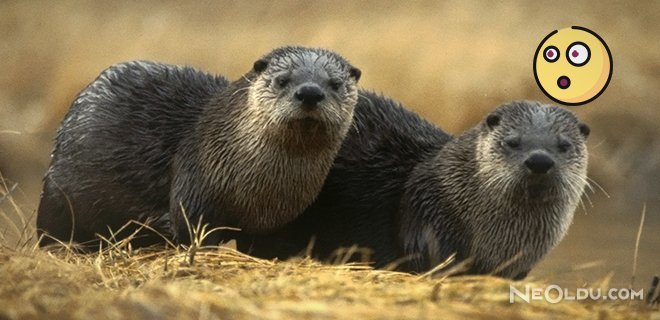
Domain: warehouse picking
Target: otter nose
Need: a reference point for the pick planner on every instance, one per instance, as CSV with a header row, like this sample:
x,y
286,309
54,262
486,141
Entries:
x,y
309,95
539,163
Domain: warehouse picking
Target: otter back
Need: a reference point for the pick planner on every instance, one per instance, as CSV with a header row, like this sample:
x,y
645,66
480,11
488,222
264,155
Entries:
x,y
113,151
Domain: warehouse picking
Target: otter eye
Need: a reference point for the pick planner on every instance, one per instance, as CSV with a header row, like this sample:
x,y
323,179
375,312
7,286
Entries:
x,y
512,142
564,145
282,81
335,84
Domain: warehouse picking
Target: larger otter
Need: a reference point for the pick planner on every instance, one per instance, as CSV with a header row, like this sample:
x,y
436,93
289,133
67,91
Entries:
x,y
502,194
148,141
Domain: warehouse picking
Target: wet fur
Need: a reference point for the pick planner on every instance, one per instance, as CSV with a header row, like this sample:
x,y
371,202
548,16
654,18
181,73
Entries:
x,y
113,151
152,142
359,203
255,161
413,196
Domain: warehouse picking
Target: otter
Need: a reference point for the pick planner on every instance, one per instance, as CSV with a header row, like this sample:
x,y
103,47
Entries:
x,y
152,142
499,196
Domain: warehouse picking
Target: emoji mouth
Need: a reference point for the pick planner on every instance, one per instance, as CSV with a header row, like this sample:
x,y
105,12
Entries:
x,y
563,82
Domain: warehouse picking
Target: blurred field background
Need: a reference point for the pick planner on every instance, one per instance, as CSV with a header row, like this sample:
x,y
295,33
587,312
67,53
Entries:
x,y
451,61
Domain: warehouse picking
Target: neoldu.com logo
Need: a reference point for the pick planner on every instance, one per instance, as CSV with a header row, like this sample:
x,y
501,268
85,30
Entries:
x,y
555,294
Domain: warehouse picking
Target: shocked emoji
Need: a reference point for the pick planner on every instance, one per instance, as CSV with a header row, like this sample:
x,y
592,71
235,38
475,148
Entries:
x,y
573,66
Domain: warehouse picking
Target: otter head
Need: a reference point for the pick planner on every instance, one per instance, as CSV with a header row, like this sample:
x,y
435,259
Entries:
x,y
500,195
288,117
530,169
537,152
308,93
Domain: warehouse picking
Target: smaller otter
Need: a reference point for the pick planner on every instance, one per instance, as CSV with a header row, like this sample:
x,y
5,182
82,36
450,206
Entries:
x,y
151,142
502,194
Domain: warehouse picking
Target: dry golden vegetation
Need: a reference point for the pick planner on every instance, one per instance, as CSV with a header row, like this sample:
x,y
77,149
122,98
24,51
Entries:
x,y
451,61
225,284
221,283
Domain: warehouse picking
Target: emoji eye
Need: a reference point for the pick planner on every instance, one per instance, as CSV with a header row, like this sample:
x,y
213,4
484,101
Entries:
x,y
578,54
551,54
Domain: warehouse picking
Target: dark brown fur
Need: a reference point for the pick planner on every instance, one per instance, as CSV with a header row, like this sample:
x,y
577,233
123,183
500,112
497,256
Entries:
x,y
262,160
145,140
412,195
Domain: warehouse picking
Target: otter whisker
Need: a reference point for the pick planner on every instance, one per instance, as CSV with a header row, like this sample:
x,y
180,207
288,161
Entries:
x,y
598,186
575,187
356,123
247,79
585,195
588,185
577,183
333,112
239,91
365,97
583,180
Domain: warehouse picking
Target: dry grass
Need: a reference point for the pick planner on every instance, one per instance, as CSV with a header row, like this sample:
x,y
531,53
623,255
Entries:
x,y
221,283
226,284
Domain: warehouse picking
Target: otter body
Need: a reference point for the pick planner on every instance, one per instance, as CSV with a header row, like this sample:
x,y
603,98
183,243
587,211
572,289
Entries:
x,y
113,152
251,154
500,195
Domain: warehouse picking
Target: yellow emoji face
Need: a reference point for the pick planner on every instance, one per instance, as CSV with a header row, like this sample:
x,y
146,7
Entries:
x,y
573,66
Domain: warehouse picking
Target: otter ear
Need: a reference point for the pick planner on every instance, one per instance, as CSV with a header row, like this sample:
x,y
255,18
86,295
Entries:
x,y
584,129
355,73
493,120
260,65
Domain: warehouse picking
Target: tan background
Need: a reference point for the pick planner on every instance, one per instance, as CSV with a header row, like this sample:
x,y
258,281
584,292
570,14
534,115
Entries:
x,y
451,61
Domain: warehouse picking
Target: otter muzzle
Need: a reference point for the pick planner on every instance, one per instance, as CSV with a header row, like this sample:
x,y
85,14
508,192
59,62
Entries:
x,y
539,163
310,95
